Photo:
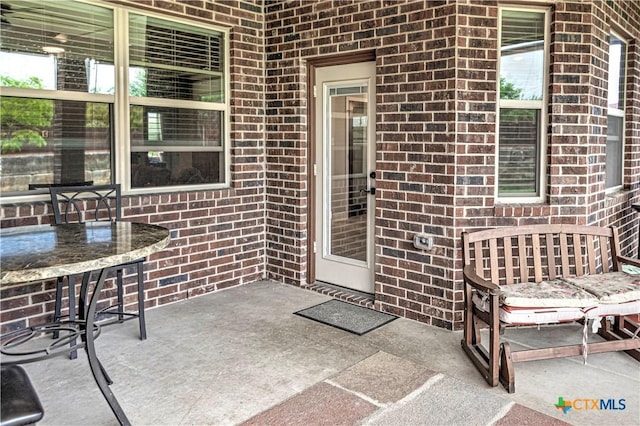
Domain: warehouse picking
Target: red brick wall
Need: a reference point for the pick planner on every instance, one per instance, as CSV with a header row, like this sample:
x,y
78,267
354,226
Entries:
x,y
436,146
436,133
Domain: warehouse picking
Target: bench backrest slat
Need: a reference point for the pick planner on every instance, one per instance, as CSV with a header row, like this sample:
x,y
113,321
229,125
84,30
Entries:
x,y
591,255
577,254
551,257
537,261
493,254
479,258
522,253
605,265
564,255
508,259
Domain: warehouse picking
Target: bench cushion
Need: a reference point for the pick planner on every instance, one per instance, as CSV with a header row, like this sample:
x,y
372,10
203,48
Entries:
x,y
530,316
612,287
614,309
546,294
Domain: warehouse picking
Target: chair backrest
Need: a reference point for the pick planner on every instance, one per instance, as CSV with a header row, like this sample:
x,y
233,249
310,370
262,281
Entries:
x,y
86,203
541,252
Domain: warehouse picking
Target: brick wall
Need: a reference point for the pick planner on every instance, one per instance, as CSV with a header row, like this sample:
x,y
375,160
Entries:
x,y
436,104
436,131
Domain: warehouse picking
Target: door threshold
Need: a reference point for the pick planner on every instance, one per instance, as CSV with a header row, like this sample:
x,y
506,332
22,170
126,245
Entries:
x,y
343,293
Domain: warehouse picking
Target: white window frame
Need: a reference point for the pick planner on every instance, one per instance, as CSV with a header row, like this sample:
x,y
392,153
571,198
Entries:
x,y
123,102
615,112
540,105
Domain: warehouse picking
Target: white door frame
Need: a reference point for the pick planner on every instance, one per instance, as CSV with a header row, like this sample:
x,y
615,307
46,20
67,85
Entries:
x,y
354,273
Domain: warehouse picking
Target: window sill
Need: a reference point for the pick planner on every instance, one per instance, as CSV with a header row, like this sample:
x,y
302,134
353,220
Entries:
x,y
616,197
522,210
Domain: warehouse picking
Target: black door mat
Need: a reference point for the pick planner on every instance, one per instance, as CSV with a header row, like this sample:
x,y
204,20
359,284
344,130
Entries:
x,y
346,316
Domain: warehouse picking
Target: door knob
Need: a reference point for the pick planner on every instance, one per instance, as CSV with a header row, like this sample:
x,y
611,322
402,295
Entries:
x,y
371,191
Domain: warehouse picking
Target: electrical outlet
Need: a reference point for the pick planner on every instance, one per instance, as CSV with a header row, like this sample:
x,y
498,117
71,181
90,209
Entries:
x,y
423,241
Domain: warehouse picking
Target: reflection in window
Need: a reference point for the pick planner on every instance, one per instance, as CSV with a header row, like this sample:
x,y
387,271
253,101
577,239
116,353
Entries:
x,y
179,61
56,142
58,43
615,117
522,55
518,154
154,126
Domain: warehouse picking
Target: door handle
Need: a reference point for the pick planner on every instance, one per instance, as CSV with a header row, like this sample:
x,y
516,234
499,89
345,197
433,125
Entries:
x,y
371,191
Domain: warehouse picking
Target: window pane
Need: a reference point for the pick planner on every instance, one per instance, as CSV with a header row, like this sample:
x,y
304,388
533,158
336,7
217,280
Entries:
x,y
175,61
47,142
57,46
614,152
175,127
522,55
163,168
617,52
519,152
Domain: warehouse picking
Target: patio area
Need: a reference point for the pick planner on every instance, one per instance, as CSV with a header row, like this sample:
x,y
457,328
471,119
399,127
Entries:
x,y
241,355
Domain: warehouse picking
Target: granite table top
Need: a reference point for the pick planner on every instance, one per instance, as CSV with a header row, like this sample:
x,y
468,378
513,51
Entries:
x,y
39,252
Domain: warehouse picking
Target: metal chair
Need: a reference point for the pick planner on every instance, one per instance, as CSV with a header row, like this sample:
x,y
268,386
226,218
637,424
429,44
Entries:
x,y
77,204
20,402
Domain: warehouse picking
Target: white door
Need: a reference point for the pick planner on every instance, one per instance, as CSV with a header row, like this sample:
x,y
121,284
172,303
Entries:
x,y
345,175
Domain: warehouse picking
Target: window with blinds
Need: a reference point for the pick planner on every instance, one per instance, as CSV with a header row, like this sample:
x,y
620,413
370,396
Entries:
x,y
59,119
521,90
615,116
177,103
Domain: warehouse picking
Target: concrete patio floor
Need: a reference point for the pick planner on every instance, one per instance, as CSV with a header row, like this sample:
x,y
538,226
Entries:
x,y
241,356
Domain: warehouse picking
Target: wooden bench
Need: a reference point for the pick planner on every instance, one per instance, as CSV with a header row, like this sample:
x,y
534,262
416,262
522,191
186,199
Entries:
x,y
547,274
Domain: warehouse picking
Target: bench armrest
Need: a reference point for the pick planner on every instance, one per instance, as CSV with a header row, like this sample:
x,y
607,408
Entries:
x,y
479,283
629,261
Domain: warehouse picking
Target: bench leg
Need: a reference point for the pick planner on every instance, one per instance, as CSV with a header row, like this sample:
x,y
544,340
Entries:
x,y
486,360
507,373
622,329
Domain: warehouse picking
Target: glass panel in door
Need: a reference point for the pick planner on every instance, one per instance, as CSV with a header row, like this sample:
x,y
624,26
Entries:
x,y
348,174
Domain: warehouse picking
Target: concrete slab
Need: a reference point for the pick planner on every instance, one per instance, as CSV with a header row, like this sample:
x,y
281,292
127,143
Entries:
x,y
523,416
444,401
322,404
383,377
223,358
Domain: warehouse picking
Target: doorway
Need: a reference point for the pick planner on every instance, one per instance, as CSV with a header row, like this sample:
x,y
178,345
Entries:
x,y
344,175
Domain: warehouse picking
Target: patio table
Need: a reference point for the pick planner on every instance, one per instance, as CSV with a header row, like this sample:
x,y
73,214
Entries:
x,y
40,252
